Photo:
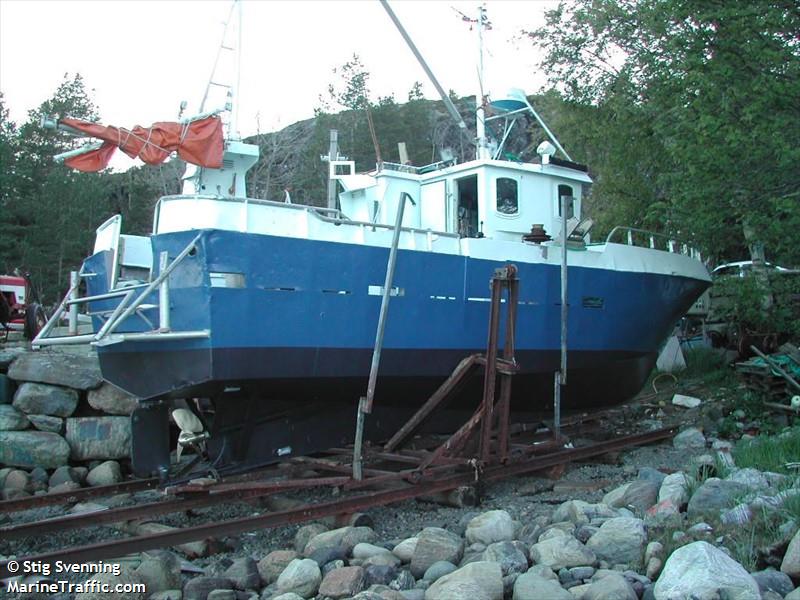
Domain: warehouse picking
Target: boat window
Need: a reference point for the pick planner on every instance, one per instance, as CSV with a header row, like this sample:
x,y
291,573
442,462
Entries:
x,y
507,201
566,190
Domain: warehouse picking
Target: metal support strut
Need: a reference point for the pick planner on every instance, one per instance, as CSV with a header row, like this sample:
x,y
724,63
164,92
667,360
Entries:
x,y
491,418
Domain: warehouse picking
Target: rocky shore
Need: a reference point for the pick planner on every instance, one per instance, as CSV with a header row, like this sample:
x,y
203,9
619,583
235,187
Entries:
x,y
61,425
664,522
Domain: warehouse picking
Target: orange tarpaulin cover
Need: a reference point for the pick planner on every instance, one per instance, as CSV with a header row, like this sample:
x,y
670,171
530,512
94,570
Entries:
x,y
198,142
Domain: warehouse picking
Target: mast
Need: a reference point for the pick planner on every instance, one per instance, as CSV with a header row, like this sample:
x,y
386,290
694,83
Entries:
x,y
482,150
232,87
234,92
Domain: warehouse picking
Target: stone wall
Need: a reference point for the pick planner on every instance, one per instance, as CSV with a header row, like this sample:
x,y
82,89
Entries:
x,y
56,411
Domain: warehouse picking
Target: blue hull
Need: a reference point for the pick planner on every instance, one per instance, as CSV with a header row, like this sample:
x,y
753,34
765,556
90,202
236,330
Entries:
x,y
302,324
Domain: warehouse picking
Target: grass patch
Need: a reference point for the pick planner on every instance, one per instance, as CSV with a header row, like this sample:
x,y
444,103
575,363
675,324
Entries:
x,y
791,508
744,540
706,365
770,453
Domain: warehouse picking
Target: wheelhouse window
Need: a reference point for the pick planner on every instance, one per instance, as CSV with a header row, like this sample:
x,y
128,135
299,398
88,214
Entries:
x,y
507,198
566,191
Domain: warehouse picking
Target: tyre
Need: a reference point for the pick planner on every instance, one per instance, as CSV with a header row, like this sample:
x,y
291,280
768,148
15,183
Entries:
x,y
35,319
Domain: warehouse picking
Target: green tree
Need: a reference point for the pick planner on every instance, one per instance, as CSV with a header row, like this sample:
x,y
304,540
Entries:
x,y
415,93
45,205
698,102
10,228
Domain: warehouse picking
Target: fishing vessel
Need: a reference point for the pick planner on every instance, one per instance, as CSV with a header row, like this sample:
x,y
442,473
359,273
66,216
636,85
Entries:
x,y
266,311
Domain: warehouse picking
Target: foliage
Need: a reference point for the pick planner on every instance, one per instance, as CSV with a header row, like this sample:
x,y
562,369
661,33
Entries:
x,y
705,364
696,102
770,453
687,112
48,212
764,303
290,157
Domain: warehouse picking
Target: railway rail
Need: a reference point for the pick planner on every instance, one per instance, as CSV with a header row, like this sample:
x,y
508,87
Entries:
x,y
388,486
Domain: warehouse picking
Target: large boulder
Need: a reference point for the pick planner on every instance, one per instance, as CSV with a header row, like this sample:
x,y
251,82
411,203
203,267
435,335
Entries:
x,y
160,570
342,583
620,541
433,545
273,564
305,533
47,423
689,438
301,576
715,495
510,558
791,560
16,479
199,588
244,574
530,585
365,551
490,527
558,553
641,495
99,437
80,372
569,511
9,355
439,569
42,399
703,572
675,488
65,474
405,549
328,554
379,574
480,579
106,473
616,497
344,538
612,586
662,514
33,449
752,478
580,513
112,400
770,579
12,419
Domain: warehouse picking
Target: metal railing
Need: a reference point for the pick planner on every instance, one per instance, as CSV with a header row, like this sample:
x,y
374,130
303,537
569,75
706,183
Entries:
x,y
642,238
327,215
124,310
421,170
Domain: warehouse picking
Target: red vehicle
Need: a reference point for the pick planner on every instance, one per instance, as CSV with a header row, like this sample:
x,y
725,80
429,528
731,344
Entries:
x,y
19,306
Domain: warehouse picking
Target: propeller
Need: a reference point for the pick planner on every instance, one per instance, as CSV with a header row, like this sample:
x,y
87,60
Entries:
x,y
191,431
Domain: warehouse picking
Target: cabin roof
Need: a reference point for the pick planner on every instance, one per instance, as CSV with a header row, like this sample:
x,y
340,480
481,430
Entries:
x,y
573,171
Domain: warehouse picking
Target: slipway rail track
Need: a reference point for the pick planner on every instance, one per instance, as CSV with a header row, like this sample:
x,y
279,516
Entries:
x,y
358,495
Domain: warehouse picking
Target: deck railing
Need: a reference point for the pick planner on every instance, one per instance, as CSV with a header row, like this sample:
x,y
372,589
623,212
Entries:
x,y
327,215
130,304
642,238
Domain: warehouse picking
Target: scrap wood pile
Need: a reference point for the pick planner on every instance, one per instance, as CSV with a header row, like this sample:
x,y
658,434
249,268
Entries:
x,y
776,377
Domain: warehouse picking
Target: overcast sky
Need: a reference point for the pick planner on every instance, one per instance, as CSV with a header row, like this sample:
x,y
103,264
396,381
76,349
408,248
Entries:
x,y
142,57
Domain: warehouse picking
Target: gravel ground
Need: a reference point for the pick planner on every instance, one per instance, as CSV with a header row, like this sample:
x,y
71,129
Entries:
x,y
523,497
